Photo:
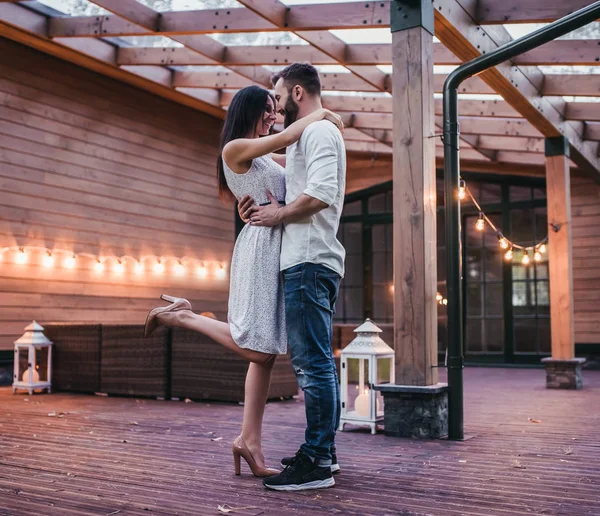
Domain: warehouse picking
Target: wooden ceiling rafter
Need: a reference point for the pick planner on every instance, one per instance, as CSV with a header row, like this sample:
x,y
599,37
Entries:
x,y
483,122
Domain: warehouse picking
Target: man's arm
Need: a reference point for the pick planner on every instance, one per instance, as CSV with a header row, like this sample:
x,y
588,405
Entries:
x,y
273,214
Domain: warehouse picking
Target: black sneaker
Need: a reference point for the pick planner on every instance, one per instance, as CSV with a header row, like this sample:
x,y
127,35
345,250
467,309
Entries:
x,y
335,467
300,475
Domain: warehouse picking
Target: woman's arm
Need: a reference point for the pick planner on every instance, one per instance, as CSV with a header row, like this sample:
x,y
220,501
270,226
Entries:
x,y
239,152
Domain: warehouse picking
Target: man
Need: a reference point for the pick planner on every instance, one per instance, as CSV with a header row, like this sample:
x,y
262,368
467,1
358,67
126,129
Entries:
x,y
312,263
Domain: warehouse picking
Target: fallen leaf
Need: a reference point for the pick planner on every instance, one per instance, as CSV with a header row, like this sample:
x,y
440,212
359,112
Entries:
x,y
228,508
462,461
517,464
216,439
114,512
134,423
187,400
531,420
56,414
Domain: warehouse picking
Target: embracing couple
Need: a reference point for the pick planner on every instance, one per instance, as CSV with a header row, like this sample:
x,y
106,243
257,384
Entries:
x,y
286,266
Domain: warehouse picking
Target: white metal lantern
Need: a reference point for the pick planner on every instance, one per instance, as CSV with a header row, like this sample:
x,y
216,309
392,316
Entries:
x,y
38,348
365,362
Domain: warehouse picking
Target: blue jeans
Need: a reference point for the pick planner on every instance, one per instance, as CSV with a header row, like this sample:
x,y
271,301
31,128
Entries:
x,y
310,294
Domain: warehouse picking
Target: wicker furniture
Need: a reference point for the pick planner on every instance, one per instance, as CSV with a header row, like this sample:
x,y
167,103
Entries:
x,y
76,358
135,366
115,359
202,369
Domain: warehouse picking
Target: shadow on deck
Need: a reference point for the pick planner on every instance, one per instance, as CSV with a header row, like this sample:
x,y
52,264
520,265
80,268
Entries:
x,y
533,451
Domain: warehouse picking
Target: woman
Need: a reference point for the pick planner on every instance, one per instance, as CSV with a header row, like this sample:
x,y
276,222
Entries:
x,y
256,327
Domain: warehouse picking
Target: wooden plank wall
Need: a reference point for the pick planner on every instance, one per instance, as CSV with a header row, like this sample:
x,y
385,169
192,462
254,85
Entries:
x,y
91,165
585,208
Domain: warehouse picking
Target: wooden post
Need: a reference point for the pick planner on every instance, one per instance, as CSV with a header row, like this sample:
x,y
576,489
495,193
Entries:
x,y
415,311
560,249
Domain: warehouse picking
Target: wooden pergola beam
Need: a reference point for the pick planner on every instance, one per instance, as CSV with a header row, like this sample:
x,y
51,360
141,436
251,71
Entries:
x,y
525,11
521,87
132,11
562,52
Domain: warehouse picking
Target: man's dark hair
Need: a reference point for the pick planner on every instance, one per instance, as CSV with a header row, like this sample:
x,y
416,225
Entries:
x,y
303,74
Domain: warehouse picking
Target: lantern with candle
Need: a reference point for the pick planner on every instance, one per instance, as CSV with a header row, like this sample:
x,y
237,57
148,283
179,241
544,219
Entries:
x,y
38,371
365,362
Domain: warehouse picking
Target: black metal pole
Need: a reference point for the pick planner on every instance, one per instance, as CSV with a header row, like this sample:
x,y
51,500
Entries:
x,y
451,182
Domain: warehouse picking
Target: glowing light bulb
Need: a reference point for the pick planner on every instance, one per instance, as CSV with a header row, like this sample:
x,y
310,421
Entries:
x,y
439,297
159,267
220,273
462,190
179,269
139,267
509,254
202,271
526,260
99,266
537,256
392,288
119,267
480,224
542,248
22,257
502,241
70,262
48,260
444,301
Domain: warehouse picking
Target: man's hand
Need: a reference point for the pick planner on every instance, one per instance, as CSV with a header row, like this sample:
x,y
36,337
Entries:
x,y
244,206
269,215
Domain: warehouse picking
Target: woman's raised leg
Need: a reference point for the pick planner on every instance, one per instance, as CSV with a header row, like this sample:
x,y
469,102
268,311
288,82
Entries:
x,y
216,330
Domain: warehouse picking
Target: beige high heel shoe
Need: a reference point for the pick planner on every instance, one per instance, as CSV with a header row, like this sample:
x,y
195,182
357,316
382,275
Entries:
x,y
177,303
241,450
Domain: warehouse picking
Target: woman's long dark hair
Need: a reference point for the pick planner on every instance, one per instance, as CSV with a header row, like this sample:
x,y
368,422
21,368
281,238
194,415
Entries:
x,y
246,109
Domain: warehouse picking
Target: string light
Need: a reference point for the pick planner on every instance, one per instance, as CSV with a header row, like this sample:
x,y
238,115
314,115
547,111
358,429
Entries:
x,y
220,272
48,260
69,260
480,224
502,241
21,257
179,269
462,190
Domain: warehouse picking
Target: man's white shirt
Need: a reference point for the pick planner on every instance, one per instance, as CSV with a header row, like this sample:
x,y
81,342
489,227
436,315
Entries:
x,y
316,166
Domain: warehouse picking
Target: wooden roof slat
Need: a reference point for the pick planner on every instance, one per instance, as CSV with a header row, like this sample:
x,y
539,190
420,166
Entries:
x,y
520,87
563,52
525,11
583,111
314,17
572,84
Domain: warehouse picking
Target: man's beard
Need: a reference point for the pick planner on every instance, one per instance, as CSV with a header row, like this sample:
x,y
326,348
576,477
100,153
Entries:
x,y
291,112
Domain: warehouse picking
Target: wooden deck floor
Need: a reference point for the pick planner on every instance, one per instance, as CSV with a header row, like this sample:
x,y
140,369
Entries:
x,y
533,451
